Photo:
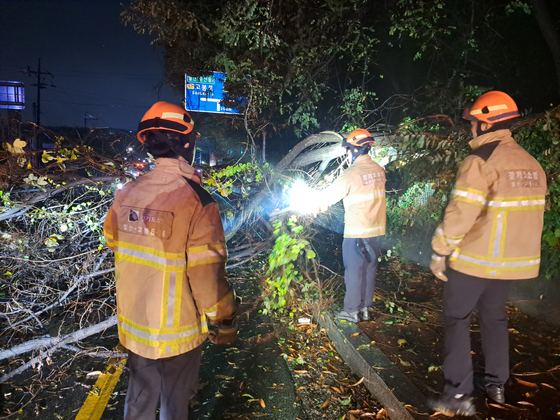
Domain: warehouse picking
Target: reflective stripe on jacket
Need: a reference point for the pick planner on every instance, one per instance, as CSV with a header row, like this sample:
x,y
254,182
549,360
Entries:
x,y
493,224
170,253
362,189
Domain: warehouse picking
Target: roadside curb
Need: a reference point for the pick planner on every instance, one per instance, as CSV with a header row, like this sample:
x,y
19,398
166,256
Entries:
x,y
539,310
382,378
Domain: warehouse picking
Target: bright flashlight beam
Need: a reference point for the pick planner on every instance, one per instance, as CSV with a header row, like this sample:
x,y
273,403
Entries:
x,y
303,198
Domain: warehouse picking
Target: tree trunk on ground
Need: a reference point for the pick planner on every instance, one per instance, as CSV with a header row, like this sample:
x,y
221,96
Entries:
x,y
58,341
51,344
288,162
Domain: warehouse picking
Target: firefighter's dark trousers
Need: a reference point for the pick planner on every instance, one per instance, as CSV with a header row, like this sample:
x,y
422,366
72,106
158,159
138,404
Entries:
x,y
462,294
360,265
173,379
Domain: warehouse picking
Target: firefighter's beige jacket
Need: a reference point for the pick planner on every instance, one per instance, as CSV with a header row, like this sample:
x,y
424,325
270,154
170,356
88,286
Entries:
x,y
493,225
170,252
362,189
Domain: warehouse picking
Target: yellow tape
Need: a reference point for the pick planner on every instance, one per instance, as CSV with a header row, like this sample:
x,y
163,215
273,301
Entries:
x,y
98,398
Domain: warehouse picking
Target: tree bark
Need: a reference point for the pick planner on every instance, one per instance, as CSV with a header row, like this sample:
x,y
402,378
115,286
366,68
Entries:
x,y
549,32
250,211
55,342
327,153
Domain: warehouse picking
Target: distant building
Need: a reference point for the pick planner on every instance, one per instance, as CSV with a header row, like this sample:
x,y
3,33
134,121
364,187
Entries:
x,y
12,101
12,95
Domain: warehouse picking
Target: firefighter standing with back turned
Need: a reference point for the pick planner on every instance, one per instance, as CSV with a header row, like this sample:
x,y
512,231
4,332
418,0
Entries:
x,y
362,189
491,233
169,245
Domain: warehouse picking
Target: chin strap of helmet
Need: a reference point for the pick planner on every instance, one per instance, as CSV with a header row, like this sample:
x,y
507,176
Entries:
x,y
357,152
495,127
176,146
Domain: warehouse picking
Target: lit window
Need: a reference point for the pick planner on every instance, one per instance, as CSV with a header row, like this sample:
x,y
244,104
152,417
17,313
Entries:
x,y
12,95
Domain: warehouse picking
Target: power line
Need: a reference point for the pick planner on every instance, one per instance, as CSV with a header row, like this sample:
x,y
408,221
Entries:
x,y
60,101
73,102
90,94
105,72
19,65
109,77
104,105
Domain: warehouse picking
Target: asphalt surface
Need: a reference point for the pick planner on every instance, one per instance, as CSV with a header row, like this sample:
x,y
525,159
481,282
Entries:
x,y
247,380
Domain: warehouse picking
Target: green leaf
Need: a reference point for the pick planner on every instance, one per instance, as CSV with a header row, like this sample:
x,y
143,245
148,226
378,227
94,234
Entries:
x,y
346,401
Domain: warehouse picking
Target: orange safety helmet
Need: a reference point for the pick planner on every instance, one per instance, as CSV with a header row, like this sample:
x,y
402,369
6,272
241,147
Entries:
x,y
492,107
358,138
165,116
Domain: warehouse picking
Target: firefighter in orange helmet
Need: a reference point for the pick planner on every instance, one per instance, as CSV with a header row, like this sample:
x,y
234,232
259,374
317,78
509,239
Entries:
x,y
490,235
362,189
170,251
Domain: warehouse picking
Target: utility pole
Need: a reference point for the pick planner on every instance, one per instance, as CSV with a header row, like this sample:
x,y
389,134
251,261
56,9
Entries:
x,y
39,93
40,86
37,108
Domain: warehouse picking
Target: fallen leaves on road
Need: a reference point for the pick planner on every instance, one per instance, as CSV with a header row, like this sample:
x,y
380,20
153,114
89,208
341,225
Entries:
x,y
326,386
357,383
227,378
331,367
405,364
416,345
527,384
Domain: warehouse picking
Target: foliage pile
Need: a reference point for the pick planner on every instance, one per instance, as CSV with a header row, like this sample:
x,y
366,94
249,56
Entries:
x,y
55,267
286,285
422,174
54,264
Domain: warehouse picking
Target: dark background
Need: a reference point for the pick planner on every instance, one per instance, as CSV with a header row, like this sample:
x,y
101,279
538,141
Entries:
x,y
100,66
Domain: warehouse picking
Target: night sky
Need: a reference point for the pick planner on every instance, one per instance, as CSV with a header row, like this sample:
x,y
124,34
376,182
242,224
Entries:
x,y
99,65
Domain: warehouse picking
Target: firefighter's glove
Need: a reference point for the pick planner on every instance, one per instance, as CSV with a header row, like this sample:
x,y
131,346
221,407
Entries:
x,y
226,334
438,266
233,315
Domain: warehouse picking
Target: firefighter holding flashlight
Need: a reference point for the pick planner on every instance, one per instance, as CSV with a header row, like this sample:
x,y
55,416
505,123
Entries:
x,y
490,235
362,189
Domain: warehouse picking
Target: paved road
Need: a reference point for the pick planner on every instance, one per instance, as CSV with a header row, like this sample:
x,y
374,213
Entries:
x,y
246,381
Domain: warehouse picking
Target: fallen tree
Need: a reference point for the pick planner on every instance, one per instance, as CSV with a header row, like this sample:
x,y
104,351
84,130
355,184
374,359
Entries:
x,y
55,265
57,272
50,345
